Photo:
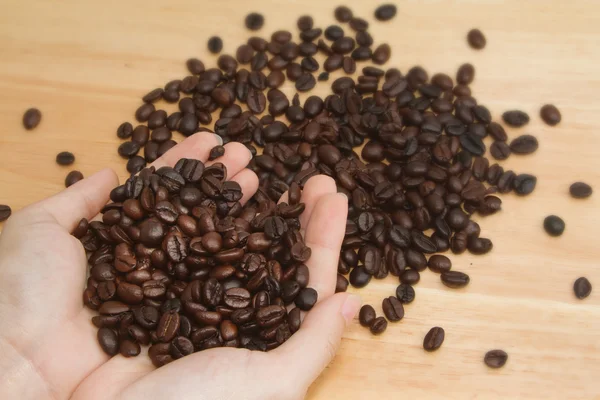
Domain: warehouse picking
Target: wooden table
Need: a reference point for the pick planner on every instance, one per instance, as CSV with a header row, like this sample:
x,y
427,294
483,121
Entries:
x,y
86,64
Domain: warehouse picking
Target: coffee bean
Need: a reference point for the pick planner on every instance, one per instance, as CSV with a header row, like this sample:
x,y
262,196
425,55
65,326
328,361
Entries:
x,y
476,39
495,358
405,293
439,263
254,21
582,288
382,54
108,341
393,309
367,315
5,212
554,225
516,118
72,178
524,144
385,12
455,279
343,14
378,326
359,277
216,152
524,184
215,44
65,158
305,82
305,23
306,299
168,326
410,277
434,339
500,150
550,114
580,190
465,74
31,118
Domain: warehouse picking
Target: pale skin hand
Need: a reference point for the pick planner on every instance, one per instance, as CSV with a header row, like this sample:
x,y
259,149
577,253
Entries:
x,y
48,344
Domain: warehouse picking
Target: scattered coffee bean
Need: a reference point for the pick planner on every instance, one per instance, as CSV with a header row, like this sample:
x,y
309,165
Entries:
x,y
5,212
580,190
582,288
385,12
215,44
455,279
465,74
550,114
72,178
476,39
495,358
434,339
516,118
524,144
31,118
405,293
378,325
254,21
216,152
554,225
343,14
439,263
393,309
323,76
366,315
65,158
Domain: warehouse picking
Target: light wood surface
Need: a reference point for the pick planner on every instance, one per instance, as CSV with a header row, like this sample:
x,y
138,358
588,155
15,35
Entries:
x,y
86,64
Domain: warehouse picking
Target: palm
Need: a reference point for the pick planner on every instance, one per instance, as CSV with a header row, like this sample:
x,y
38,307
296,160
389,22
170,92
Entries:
x,y
44,274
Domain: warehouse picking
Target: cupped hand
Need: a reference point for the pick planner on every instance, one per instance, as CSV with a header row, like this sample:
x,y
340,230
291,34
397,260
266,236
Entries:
x,y
48,344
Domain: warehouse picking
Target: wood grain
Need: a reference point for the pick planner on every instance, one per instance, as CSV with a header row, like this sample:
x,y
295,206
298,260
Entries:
x,y
86,65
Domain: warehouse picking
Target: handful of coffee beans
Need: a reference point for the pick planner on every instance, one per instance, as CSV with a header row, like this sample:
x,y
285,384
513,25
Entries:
x,y
179,264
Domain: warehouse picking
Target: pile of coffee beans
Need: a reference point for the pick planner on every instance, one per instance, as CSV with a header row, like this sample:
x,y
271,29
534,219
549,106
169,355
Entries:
x,y
178,263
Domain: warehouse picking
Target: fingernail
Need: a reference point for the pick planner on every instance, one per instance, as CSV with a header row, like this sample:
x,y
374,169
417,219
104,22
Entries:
x,y
343,194
350,307
219,138
249,152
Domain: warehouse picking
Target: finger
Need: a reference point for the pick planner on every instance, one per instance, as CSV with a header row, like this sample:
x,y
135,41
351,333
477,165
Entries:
x,y
236,158
314,188
314,346
248,182
84,199
196,147
324,235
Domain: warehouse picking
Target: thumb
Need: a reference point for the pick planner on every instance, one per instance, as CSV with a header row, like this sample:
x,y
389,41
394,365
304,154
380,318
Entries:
x,y
314,345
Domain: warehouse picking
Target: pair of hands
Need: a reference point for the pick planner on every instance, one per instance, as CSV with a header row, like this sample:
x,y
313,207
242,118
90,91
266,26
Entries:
x,y
48,344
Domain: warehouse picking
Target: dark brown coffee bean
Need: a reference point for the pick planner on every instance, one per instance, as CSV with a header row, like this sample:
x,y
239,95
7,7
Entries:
x,y
455,279
305,82
31,118
367,315
305,23
393,309
385,12
254,21
550,114
465,74
168,326
216,152
476,39
497,132
582,288
553,225
410,277
125,130
195,66
439,263
405,293
72,178
524,184
500,150
215,44
109,341
524,144
343,14
65,158
515,118
580,190
143,112
495,358
378,326
434,339
382,54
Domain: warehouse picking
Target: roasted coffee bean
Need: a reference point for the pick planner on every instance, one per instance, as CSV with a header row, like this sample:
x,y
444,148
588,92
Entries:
x,y
378,325
524,184
476,39
216,152
500,150
554,226
525,144
359,277
168,326
515,118
550,114
254,21
439,263
31,118
306,299
410,277
215,44
582,288
393,309
72,178
108,340
455,279
580,190
465,74
405,293
343,14
495,358
367,315
65,158
305,23
382,54
434,339
385,12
